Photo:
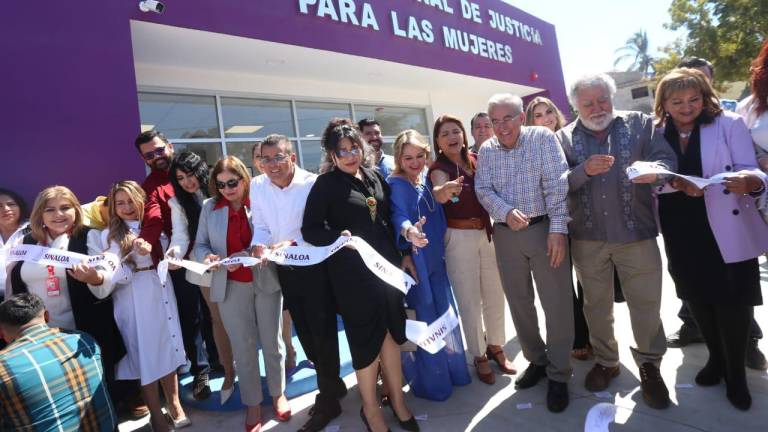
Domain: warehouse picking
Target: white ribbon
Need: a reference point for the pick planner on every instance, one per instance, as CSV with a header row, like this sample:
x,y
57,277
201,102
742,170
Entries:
x,y
431,337
305,256
641,168
42,255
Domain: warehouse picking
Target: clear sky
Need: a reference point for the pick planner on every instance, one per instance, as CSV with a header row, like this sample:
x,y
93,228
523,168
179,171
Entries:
x,y
590,31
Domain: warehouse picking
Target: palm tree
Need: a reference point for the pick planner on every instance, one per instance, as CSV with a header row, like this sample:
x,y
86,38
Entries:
x,y
636,49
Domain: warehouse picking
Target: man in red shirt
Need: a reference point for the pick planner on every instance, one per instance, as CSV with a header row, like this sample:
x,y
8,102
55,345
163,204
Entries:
x,y
157,152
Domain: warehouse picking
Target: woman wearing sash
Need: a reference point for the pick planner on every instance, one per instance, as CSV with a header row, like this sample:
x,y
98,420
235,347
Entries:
x,y
144,309
13,214
350,199
420,223
57,222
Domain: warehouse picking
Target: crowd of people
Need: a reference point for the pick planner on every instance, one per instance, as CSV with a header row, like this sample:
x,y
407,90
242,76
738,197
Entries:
x,y
532,201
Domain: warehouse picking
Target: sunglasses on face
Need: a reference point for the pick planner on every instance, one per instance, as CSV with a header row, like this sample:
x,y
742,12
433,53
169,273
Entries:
x,y
148,156
229,184
347,153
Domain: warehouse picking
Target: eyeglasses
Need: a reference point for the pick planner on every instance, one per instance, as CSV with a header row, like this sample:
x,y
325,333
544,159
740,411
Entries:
x,y
277,159
229,184
506,120
148,156
347,153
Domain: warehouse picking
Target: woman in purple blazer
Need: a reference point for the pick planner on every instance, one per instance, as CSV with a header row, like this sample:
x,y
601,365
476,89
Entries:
x,y
712,236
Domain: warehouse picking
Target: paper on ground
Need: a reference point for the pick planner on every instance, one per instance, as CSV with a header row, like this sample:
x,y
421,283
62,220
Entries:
x,y
522,406
421,417
599,417
684,386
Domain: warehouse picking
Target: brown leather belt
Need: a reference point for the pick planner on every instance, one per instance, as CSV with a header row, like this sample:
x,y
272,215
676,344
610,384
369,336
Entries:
x,y
141,269
470,223
531,222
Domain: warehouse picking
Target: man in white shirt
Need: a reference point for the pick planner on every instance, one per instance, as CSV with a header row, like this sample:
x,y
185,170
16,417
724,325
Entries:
x,y
278,198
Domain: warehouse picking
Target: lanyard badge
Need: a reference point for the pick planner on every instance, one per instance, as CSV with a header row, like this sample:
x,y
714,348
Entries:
x,y
52,283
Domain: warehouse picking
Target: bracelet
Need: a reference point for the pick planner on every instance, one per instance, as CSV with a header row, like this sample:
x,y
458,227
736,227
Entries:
x,y
758,190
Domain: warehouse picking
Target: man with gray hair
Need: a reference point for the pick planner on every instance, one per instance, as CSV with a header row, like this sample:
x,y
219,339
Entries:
x,y
521,183
613,226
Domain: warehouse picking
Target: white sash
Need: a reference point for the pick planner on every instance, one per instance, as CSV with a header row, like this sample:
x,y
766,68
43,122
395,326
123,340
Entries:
x,y
42,255
430,337
305,256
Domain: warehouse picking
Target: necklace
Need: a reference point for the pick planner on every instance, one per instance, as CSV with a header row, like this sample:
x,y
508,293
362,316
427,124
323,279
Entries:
x,y
370,199
685,135
420,197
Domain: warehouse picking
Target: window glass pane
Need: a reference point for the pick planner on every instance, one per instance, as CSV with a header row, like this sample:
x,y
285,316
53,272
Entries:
x,y
243,151
314,117
311,152
394,120
252,118
210,151
179,116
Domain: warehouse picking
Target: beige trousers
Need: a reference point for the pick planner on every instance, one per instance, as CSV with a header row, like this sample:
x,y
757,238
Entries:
x,y
639,267
520,254
471,262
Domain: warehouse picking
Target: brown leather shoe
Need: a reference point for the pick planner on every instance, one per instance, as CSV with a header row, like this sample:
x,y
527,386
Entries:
x,y
655,392
496,353
488,377
600,377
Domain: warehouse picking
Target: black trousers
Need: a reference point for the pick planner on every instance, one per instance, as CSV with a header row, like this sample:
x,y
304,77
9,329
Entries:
x,y
685,315
188,300
308,296
726,331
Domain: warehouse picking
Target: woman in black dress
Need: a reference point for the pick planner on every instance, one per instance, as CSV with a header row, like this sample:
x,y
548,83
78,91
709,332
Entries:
x,y
712,236
350,199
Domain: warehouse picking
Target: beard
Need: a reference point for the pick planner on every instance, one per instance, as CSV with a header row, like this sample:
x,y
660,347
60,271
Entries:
x,y
375,144
598,122
161,163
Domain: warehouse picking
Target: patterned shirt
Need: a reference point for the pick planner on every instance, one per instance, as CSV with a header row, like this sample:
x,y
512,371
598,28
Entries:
x,y
609,207
529,177
52,380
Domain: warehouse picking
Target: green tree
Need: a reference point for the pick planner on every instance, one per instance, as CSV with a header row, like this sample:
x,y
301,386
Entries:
x,y
636,49
729,33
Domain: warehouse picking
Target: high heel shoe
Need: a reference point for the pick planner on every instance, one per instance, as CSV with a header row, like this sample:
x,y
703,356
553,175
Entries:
x,y
365,421
496,353
226,393
253,428
282,416
409,425
488,378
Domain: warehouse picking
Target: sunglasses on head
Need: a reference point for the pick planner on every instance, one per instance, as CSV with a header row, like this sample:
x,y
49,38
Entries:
x,y
229,184
154,153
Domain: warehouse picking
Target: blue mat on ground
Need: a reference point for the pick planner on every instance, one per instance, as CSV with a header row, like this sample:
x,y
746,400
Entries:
x,y
299,381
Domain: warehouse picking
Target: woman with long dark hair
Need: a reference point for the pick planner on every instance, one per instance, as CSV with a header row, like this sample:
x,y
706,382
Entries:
x,y
469,252
189,176
350,199
13,214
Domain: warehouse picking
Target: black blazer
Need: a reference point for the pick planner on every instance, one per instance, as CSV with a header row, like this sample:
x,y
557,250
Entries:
x,y
92,315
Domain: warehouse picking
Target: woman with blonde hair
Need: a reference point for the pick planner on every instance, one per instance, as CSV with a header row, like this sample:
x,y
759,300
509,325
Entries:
x,y
249,299
542,111
419,222
469,252
712,236
56,222
144,309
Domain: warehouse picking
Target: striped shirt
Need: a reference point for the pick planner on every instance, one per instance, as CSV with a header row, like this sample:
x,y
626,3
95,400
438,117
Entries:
x,y
52,380
529,177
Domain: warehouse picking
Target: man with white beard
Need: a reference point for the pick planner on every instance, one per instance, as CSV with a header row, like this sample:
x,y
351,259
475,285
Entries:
x,y
613,226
